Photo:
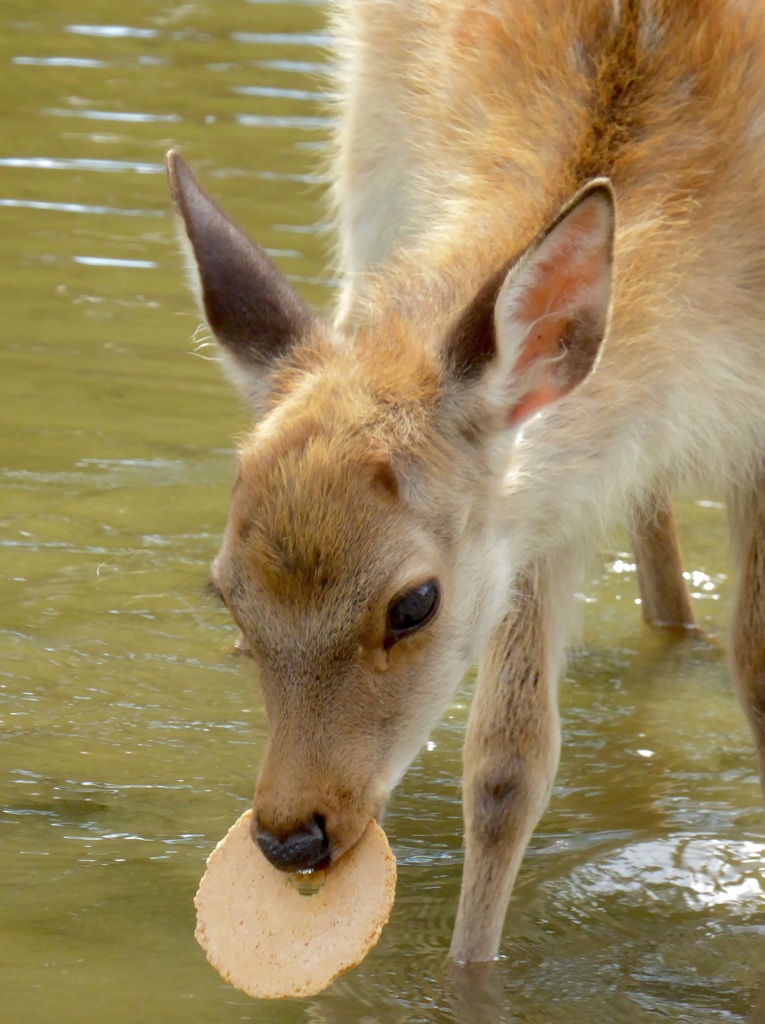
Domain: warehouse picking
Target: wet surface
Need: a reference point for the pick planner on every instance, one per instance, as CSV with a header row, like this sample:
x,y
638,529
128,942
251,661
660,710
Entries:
x,y
130,736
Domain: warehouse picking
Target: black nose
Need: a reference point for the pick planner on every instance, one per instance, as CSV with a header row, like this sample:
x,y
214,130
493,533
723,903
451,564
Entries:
x,y
304,850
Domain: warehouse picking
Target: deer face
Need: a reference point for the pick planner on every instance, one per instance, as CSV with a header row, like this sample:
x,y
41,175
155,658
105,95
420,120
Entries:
x,y
342,565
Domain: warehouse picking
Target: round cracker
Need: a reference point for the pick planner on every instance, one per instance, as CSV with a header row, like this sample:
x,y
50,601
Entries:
x,y
265,938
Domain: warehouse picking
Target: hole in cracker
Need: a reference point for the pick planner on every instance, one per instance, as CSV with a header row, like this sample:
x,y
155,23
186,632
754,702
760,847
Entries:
x,y
308,883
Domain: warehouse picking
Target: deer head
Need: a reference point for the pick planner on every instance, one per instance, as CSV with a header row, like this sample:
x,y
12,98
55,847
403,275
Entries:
x,y
364,559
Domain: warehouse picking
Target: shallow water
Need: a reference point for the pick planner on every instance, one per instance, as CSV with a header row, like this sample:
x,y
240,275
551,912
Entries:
x,y
131,736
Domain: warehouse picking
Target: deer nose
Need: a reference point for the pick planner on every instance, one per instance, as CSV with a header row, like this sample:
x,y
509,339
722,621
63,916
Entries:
x,y
303,850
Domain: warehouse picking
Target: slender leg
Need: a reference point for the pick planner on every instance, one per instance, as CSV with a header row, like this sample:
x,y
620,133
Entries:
x,y
747,514
664,595
511,756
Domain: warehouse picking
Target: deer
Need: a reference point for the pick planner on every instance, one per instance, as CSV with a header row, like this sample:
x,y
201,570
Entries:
x,y
550,220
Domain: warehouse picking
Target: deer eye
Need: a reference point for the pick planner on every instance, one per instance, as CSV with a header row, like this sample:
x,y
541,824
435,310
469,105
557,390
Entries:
x,y
411,611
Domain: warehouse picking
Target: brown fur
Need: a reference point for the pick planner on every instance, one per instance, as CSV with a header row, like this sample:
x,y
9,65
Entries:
x,y
514,711
665,600
386,449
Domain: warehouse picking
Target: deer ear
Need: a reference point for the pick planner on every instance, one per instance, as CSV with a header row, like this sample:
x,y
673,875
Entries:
x,y
535,331
253,312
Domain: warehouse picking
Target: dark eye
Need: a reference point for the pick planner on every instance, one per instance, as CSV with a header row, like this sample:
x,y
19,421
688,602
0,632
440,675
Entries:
x,y
411,611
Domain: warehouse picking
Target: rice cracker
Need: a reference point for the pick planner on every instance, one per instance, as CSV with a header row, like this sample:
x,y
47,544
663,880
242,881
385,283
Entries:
x,y
267,939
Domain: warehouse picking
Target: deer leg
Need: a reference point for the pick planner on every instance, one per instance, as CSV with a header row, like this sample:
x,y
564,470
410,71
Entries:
x,y
664,595
747,516
510,759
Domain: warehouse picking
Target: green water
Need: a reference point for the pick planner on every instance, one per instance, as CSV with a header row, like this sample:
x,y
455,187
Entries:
x,y
130,735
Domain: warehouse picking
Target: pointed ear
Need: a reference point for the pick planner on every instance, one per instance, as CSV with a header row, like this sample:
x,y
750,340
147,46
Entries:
x,y
253,312
535,332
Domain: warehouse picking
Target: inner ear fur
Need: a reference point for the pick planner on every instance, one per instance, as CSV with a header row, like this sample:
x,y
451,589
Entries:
x,y
540,321
253,312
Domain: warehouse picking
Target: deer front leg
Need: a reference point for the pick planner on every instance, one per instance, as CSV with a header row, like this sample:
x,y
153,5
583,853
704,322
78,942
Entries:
x,y
511,756
665,600
747,514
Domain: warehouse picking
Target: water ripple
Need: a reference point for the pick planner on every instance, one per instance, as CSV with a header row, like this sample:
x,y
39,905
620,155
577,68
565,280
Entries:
x,y
707,872
301,67
60,62
112,31
267,121
113,115
115,211
282,94
80,164
106,261
282,38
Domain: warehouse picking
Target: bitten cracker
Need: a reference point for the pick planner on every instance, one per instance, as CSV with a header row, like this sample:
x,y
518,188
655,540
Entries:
x,y
265,938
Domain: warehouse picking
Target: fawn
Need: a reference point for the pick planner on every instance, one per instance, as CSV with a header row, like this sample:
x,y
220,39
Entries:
x,y
514,180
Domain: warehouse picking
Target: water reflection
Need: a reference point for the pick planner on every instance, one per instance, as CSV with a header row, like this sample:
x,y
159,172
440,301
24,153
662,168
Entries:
x,y
111,31
80,164
111,211
703,871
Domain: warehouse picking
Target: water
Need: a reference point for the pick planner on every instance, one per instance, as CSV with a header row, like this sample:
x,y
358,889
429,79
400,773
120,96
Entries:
x,y
130,734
